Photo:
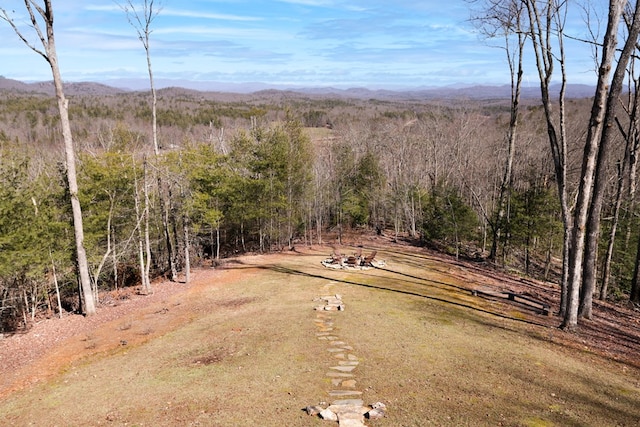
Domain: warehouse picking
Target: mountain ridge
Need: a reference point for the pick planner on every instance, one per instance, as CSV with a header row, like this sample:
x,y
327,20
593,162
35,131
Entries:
x,y
456,92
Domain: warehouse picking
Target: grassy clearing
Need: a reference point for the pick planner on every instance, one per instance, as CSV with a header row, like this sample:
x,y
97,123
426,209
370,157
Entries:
x,y
248,356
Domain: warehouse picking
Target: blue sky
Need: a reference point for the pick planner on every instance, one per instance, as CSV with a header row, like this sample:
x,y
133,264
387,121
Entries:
x,y
351,43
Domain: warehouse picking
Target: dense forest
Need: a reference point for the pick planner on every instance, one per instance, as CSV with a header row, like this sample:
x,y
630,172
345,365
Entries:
x,y
265,172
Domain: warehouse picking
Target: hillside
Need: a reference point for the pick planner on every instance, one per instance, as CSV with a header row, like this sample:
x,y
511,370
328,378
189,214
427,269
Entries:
x,y
450,93
47,88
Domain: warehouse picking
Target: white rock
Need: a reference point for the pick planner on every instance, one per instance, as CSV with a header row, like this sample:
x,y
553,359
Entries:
x,y
313,410
375,414
379,405
328,415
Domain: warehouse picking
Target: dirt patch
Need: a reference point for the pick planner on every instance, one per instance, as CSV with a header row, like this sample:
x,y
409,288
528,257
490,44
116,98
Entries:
x,y
50,345
236,302
212,358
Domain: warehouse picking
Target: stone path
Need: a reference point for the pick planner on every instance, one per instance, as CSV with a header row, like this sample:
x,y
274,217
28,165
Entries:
x,y
348,410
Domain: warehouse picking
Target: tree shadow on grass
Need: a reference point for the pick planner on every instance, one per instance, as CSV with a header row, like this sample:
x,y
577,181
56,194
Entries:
x,y
291,271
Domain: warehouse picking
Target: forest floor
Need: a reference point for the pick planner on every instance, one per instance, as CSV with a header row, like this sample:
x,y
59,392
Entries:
x,y
486,359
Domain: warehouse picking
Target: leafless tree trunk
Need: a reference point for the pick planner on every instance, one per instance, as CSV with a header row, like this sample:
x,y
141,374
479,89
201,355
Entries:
x,y
107,252
633,163
606,269
504,18
147,242
589,161
609,128
141,20
628,169
218,240
541,31
187,246
55,283
114,258
50,55
143,218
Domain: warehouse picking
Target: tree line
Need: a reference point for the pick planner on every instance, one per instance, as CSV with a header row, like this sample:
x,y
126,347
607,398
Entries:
x,y
425,172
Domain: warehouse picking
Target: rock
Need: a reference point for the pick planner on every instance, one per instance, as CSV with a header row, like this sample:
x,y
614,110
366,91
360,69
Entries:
x,y
350,418
378,411
344,368
313,410
379,405
375,414
328,415
352,423
344,402
343,393
339,375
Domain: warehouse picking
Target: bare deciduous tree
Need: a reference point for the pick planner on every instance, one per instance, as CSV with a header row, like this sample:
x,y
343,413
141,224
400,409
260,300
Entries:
x,y
589,163
141,18
504,18
546,22
40,15
141,21
609,128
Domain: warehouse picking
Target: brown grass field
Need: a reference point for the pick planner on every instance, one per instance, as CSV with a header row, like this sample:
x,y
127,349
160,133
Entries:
x,y
239,347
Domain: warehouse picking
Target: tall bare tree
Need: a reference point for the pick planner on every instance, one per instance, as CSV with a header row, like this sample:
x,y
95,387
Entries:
x,y
627,171
589,162
546,23
39,16
141,17
504,18
608,130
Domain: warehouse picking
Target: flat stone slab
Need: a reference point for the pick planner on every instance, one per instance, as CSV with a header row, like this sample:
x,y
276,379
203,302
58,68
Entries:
x,y
348,410
351,423
343,368
339,375
341,382
343,393
354,414
354,411
347,402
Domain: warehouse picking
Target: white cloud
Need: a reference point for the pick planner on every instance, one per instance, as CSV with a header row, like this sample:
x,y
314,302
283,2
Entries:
x,y
208,15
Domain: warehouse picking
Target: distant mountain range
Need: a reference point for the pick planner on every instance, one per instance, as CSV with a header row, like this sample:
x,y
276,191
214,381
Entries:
x,y
458,92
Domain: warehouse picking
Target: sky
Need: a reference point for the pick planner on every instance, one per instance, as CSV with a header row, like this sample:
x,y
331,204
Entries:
x,y
294,43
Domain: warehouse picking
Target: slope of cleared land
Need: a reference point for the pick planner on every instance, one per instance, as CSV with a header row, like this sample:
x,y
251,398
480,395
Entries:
x,y
239,346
